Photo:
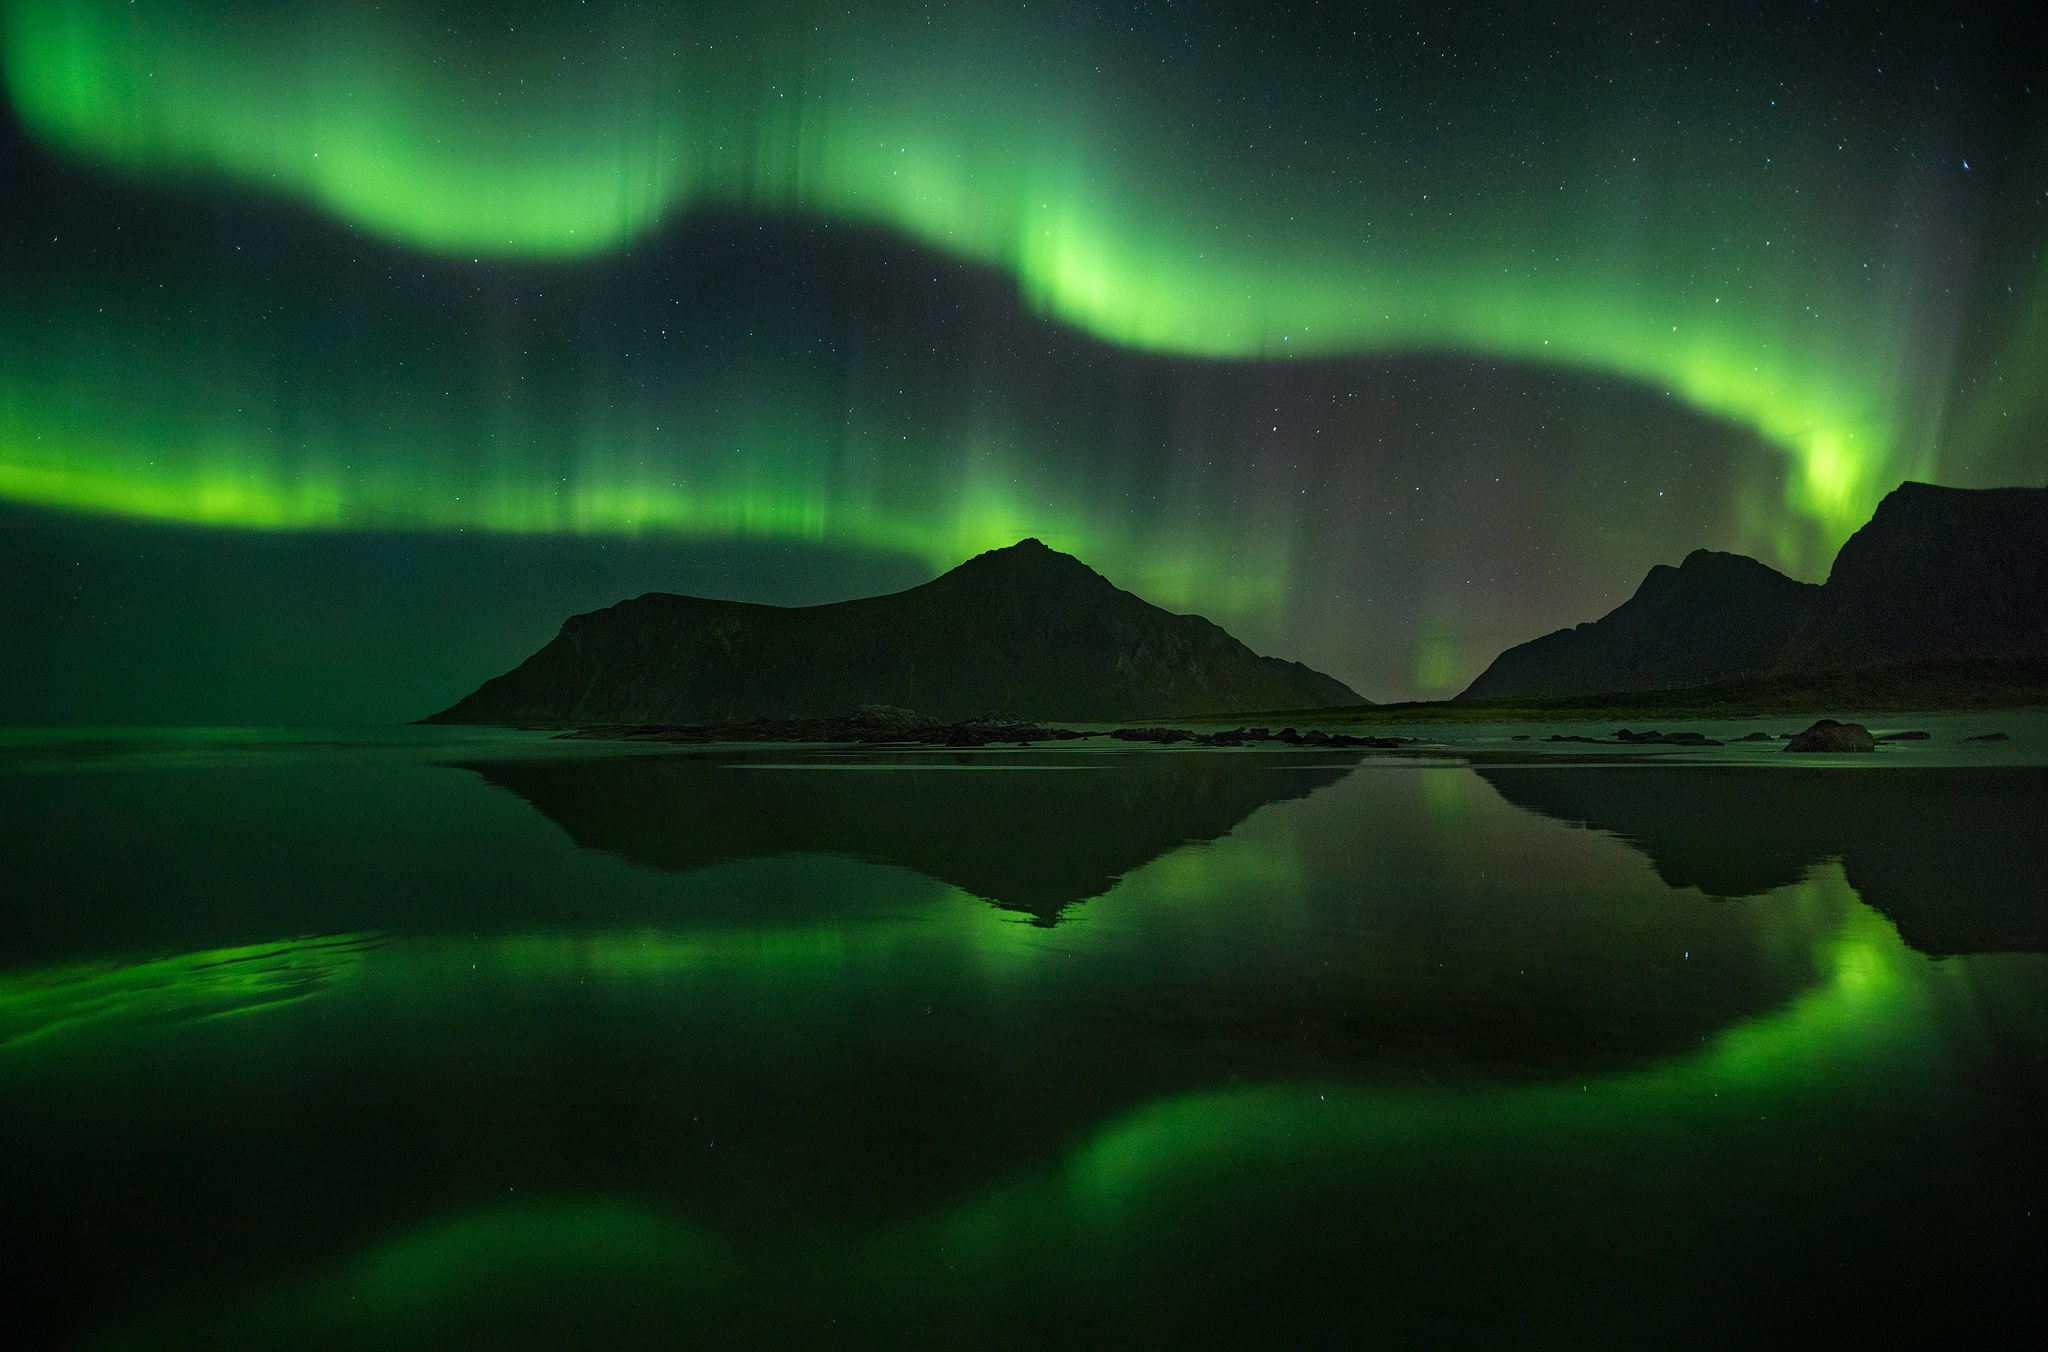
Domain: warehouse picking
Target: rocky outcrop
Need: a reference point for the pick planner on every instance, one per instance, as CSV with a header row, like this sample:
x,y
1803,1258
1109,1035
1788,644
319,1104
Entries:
x,y
1828,735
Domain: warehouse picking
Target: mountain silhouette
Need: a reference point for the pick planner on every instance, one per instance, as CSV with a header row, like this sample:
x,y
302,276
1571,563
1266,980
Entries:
x,y
1024,631
1945,584
1715,617
1939,574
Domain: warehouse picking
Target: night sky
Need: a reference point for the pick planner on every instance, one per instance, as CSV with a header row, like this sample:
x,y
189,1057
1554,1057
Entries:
x,y
346,347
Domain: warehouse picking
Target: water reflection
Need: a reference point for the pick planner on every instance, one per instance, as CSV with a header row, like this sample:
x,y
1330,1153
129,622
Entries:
x,y
1317,1038
1572,1212
1030,834
53,1001
1958,859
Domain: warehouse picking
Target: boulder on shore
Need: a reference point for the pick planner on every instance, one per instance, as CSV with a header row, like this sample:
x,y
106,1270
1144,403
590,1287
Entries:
x,y
1828,735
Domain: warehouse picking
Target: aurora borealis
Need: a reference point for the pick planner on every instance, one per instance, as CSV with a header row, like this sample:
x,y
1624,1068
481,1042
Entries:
x,y
1385,338
352,351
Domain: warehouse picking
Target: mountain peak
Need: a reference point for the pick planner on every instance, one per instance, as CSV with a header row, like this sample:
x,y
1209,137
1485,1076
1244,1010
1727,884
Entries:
x,y
1937,575
1024,630
1715,616
1721,559
1030,549
1029,567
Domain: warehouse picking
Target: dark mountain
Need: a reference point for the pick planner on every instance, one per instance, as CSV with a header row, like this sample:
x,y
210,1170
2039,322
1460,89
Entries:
x,y
1715,617
1954,576
1024,631
1939,574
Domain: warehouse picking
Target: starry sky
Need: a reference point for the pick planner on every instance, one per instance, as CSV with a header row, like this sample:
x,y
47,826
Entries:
x,y
346,346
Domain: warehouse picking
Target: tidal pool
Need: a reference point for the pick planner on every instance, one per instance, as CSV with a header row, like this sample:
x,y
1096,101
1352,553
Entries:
x,y
452,1039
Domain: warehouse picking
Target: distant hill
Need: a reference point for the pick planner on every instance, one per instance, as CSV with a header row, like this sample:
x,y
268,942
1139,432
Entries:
x,y
1951,576
1024,631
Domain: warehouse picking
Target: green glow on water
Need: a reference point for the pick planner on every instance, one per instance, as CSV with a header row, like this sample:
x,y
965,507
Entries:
x,y
1741,289
117,999
461,1269
1869,1028
545,1269
1866,1024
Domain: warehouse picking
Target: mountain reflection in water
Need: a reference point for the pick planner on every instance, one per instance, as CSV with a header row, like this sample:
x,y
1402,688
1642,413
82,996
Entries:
x,y
1957,859
601,1048
1034,835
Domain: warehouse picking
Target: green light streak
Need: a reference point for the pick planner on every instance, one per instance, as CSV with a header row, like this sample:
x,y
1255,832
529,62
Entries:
x,y
82,430
115,999
1742,299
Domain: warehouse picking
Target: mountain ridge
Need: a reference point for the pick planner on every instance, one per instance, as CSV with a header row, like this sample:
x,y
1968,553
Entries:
x,y
1023,631
1938,575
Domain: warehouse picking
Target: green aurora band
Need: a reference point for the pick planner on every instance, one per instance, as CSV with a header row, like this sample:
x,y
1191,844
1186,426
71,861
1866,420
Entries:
x,y
1773,278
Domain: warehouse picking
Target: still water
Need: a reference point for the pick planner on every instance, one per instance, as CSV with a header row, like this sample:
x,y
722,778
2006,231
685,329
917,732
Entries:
x,y
484,1040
